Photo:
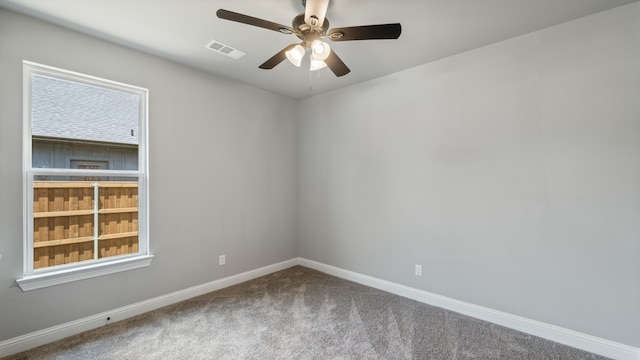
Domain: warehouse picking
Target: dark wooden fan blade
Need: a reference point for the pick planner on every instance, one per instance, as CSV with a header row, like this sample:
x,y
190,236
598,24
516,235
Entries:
x,y
277,58
366,32
336,65
250,20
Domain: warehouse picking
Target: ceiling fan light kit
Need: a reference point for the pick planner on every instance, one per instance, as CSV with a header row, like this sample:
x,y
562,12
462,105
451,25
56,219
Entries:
x,y
311,27
295,55
317,65
320,51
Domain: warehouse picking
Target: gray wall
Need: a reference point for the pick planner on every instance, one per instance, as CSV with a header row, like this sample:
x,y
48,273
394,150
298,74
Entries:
x,y
511,173
230,187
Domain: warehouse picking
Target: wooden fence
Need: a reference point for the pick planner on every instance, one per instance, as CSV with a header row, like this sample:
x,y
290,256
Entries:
x,y
69,225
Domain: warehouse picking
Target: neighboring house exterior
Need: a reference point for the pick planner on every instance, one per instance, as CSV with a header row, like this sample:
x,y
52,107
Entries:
x,y
79,126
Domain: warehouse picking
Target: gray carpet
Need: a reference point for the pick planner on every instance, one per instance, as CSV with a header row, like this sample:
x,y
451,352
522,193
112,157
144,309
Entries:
x,y
301,313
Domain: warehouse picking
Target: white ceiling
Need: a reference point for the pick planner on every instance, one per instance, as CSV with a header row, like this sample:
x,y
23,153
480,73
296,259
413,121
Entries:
x,y
431,30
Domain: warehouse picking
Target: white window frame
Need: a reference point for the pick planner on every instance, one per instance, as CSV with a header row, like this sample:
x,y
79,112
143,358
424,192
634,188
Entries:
x,y
60,274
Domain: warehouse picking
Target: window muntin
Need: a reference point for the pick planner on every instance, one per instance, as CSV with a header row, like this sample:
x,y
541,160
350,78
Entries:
x,y
85,166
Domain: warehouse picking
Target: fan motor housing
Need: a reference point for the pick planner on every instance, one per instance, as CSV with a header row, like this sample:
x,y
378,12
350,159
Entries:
x,y
308,33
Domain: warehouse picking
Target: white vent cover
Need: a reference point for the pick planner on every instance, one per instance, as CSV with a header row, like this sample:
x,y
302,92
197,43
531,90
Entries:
x,y
225,49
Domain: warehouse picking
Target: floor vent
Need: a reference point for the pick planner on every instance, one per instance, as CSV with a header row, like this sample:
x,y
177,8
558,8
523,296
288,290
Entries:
x,y
225,49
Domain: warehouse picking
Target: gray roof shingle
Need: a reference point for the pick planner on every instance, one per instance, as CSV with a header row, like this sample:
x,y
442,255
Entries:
x,y
71,110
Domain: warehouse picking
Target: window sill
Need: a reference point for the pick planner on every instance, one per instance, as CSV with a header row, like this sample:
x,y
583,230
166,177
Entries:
x,y
38,281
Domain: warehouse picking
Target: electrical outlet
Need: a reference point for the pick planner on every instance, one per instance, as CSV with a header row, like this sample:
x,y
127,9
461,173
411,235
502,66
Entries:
x,y
418,270
222,260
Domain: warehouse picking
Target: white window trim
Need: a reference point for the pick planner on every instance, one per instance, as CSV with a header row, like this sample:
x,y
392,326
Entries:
x,y
35,279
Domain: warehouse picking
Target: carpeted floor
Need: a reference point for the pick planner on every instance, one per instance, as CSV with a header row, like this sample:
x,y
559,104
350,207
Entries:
x,y
301,313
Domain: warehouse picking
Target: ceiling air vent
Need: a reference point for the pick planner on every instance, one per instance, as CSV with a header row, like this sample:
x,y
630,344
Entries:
x,y
225,49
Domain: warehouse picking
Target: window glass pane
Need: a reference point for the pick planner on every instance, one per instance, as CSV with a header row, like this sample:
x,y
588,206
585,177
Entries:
x,y
81,126
80,220
85,164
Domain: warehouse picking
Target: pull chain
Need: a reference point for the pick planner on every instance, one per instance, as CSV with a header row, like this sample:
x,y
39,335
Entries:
x,y
311,78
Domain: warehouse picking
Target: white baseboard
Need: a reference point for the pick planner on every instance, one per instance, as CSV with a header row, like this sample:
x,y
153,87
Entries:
x,y
551,332
558,334
45,336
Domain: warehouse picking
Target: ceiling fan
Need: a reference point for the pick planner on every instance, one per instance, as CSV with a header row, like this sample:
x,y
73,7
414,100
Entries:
x,y
311,27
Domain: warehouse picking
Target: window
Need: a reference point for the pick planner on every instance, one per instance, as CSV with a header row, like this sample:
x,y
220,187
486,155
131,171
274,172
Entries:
x,y
85,171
